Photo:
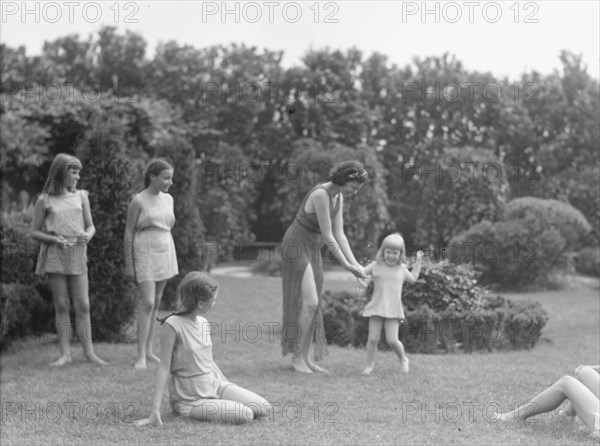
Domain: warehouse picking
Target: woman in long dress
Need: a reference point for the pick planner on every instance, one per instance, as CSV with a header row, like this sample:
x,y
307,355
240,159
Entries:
x,y
318,224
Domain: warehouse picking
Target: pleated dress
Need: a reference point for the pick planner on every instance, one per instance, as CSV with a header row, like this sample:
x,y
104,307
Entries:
x,y
154,248
301,246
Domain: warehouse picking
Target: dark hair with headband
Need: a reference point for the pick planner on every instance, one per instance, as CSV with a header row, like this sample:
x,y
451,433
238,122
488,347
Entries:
x,y
347,171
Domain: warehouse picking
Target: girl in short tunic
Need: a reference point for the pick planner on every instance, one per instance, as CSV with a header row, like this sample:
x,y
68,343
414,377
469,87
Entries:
x,y
197,388
385,309
62,222
150,250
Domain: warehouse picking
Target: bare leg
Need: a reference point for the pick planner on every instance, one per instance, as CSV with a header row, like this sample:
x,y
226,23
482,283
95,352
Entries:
x,y
591,379
375,325
145,308
79,291
260,406
159,288
60,296
391,336
308,290
583,400
238,405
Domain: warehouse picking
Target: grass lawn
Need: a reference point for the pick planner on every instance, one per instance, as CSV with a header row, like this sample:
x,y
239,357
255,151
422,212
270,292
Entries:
x,y
446,399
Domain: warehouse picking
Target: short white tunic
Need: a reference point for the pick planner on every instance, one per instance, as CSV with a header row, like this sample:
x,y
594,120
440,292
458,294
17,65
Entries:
x,y
387,292
154,253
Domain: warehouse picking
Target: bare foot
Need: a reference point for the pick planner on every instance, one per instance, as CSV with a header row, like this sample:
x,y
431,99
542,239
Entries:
x,y
300,366
566,415
140,364
64,359
315,368
405,365
367,370
96,360
507,417
152,357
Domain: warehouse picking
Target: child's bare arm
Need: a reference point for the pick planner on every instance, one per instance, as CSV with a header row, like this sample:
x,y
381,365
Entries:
x,y
369,269
413,276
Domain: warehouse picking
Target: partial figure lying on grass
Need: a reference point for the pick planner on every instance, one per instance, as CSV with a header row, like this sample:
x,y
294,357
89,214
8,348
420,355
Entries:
x,y
583,393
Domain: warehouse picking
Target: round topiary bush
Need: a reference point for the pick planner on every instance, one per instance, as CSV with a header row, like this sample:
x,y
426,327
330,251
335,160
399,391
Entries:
x,y
526,246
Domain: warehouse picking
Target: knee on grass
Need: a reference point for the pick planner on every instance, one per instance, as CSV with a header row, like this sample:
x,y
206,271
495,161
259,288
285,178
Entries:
x,y
583,369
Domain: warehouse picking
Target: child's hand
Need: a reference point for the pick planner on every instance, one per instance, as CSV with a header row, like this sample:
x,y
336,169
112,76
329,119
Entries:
x,y
61,241
83,238
362,282
419,255
357,270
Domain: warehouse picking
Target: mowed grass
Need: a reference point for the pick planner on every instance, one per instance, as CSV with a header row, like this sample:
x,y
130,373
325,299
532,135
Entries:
x,y
446,399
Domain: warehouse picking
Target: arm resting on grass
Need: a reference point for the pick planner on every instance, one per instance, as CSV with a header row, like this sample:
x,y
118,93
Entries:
x,y
167,342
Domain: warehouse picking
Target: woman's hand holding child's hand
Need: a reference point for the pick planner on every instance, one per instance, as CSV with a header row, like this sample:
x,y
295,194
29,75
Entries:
x,y
358,271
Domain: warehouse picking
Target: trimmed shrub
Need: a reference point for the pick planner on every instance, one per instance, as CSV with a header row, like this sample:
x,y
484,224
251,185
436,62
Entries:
x,y
526,246
26,298
112,293
444,313
588,261
21,306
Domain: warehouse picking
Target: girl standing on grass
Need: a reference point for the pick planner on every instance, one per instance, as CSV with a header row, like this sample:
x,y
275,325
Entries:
x,y
62,222
582,392
198,389
389,273
150,250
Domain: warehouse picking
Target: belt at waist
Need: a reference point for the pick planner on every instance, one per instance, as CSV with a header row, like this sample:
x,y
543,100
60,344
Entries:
x,y
152,228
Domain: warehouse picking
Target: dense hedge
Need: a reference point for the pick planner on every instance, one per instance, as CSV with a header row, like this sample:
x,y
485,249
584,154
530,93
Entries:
x,y
26,302
445,311
526,245
105,175
588,261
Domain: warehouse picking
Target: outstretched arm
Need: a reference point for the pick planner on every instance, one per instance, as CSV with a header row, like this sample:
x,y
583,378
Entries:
x,y
413,276
321,205
167,342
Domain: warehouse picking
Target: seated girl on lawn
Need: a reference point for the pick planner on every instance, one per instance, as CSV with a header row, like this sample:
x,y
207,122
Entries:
x,y
198,389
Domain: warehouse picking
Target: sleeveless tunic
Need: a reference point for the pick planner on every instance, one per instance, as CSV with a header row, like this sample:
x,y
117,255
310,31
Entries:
x,y
387,292
63,216
302,245
194,373
154,248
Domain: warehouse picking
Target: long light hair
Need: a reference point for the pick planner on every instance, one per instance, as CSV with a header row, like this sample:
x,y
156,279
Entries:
x,y
392,241
59,169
